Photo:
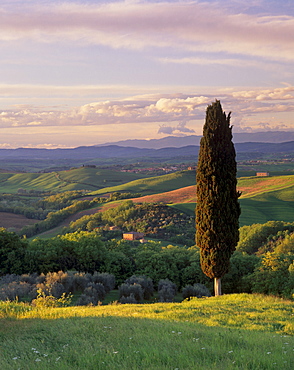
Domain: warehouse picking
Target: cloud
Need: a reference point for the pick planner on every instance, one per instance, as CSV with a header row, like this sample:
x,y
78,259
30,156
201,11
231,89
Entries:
x,y
173,130
285,93
162,109
193,26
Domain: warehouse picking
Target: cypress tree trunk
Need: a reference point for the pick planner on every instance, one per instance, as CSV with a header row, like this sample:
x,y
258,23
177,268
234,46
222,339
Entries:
x,y
217,287
217,210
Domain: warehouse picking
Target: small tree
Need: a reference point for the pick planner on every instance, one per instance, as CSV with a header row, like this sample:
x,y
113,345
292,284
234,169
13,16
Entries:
x,y
218,210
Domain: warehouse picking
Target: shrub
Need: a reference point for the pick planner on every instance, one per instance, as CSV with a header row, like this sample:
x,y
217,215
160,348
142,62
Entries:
x,y
85,300
196,290
44,300
130,299
80,281
14,290
108,280
93,294
166,290
274,275
125,290
146,285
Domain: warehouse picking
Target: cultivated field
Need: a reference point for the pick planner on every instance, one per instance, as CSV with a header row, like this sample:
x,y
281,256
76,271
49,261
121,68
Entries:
x,y
14,222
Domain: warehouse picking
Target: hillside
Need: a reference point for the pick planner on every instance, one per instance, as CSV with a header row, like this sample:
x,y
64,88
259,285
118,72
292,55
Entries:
x,y
153,185
48,160
263,198
83,178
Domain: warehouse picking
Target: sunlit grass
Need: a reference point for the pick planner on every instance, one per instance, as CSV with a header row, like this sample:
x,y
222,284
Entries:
x,y
234,331
229,332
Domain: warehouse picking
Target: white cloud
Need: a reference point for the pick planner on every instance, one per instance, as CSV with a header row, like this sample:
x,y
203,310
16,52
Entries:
x,y
160,108
175,130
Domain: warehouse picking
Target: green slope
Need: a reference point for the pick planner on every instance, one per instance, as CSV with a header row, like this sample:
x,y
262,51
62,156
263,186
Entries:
x,y
154,185
263,199
75,179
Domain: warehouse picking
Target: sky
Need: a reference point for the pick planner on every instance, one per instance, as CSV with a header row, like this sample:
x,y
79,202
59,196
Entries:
x,y
88,72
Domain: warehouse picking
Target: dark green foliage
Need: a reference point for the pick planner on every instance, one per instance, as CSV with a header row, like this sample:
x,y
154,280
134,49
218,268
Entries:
x,y
254,237
166,290
217,210
156,220
241,267
274,275
12,252
197,290
54,218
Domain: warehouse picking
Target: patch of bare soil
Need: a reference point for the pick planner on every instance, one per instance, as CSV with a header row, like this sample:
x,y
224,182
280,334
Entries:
x,y
14,222
183,195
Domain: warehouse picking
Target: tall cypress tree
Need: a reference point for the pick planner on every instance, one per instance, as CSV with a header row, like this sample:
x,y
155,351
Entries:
x,y
218,209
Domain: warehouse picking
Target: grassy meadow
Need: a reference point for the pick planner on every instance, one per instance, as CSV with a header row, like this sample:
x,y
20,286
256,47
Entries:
x,y
238,331
154,185
83,178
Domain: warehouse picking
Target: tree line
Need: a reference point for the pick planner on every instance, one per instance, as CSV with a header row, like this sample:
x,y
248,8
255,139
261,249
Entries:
x,y
262,262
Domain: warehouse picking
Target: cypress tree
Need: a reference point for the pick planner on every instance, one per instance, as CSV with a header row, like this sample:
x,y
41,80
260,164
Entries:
x,y
218,209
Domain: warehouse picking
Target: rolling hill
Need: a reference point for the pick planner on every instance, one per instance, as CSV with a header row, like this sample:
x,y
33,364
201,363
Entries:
x,y
83,178
263,198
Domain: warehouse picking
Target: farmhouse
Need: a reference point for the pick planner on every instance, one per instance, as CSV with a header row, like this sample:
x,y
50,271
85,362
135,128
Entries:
x,y
262,174
133,235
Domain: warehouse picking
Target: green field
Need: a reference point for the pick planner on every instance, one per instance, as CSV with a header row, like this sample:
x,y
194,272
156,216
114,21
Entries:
x,y
263,198
154,185
238,331
83,178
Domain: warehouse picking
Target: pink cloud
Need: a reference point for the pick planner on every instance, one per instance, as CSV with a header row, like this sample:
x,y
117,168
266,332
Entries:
x,y
193,26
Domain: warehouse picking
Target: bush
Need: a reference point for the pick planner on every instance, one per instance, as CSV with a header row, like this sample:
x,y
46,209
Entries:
x,y
15,290
130,299
146,284
196,290
92,295
126,290
44,300
166,290
108,280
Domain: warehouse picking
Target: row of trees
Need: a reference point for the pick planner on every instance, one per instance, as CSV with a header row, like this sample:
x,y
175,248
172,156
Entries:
x,y
270,272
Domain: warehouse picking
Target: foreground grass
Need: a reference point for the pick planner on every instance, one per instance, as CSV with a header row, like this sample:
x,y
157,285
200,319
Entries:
x,y
230,332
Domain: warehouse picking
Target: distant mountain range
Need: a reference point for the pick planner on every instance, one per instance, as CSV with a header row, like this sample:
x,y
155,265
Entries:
x,y
116,151
178,142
